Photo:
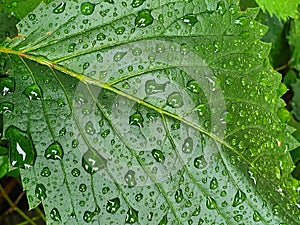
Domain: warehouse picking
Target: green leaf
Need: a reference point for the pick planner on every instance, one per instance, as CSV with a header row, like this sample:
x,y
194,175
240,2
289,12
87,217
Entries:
x,y
295,44
296,99
148,112
8,26
280,8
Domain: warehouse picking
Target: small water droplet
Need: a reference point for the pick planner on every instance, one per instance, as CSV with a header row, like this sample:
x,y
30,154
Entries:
x,y
119,55
7,85
201,109
190,19
214,184
238,218
92,161
60,8
130,178
75,172
54,151
193,86
22,152
105,133
221,8
151,87
211,203
175,100
40,192
113,205
256,216
33,92
54,215
158,155
239,198
137,3
178,196
88,216
164,220
45,172
136,119
71,47
199,162
89,128
75,143
188,145
105,190
197,211
144,18
120,30
139,197
82,187
87,8
136,51
62,131
32,16
101,37
131,216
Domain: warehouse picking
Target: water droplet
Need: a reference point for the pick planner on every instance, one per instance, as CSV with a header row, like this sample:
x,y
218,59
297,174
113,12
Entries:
x,y
214,184
75,172
7,85
22,152
136,119
71,47
92,161
105,190
164,220
178,196
151,87
197,211
32,16
158,155
33,92
54,151
101,37
113,205
60,8
136,51
105,133
199,162
45,172
201,109
233,9
120,30
139,197
87,8
144,18
88,216
40,192
119,55
130,178
241,21
256,216
239,198
221,8
131,216
190,19
188,145
6,107
211,203
82,187
238,218
193,86
89,128
62,131
75,143
137,3
175,100
60,103
54,214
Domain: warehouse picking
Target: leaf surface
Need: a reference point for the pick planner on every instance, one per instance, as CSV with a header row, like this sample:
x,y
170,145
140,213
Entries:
x,y
147,112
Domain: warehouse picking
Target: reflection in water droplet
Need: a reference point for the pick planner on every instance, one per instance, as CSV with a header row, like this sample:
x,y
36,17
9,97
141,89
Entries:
x,y
75,172
136,119
151,87
119,55
87,8
131,216
40,192
175,100
137,3
193,86
221,8
188,146
105,133
60,8
45,172
101,37
75,143
158,155
164,220
113,205
7,85
199,162
139,197
92,161
22,152
178,196
6,107
89,128
130,178
33,92
120,30
144,18
54,151
88,216
197,211
82,187
256,216
201,109
54,215
32,16
71,47
214,184
239,198
238,218
211,203
190,20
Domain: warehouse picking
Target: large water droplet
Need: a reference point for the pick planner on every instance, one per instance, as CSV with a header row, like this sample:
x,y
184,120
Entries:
x,y
7,85
190,19
105,133
89,128
6,107
164,220
151,87
175,100
33,92
54,214
144,18
137,3
113,205
221,8
139,197
40,192
199,162
82,187
211,203
136,119
75,172
197,211
193,86
120,30
158,155
131,216
188,145
22,151
178,196
88,216
54,151
31,17
87,8
45,172
92,161
256,216
60,8
130,178
119,55
214,184
239,198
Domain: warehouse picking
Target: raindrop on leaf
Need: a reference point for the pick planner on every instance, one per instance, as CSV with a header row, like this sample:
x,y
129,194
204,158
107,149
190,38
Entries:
x,y
60,8
87,8
54,151
144,18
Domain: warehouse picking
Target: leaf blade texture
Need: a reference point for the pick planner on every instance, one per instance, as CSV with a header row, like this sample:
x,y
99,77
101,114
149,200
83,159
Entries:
x,y
148,112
